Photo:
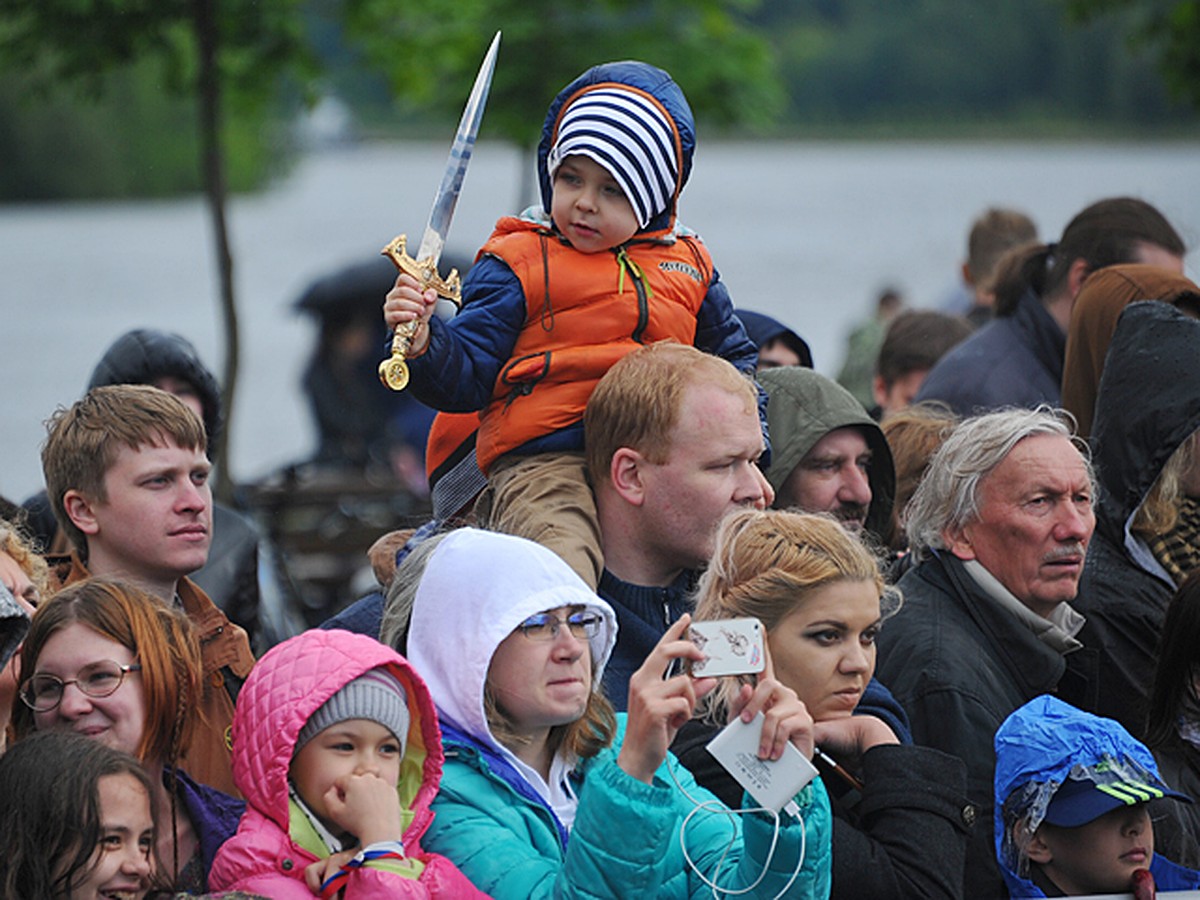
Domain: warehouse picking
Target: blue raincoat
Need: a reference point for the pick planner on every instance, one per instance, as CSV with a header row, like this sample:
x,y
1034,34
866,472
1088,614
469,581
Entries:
x,y
1036,749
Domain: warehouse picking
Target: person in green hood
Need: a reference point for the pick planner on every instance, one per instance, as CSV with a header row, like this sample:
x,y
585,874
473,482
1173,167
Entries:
x,y
827,453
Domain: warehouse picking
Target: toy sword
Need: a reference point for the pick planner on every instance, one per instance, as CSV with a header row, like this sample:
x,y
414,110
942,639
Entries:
x,y
393,371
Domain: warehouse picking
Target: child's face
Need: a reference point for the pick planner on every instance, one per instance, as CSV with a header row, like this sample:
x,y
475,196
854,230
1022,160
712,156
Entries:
x,y
589,208
352,747
121,864
1099,857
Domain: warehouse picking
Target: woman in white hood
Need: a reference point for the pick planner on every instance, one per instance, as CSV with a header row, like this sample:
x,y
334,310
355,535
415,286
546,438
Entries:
x,y
542,795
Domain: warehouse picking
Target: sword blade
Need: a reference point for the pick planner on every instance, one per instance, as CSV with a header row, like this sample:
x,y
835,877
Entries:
x,y
444,201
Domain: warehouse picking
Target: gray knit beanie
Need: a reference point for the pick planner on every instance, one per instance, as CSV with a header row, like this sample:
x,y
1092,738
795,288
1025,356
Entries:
x,y
376,695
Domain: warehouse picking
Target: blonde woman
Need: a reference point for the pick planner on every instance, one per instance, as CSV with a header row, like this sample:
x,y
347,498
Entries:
x,y
821,599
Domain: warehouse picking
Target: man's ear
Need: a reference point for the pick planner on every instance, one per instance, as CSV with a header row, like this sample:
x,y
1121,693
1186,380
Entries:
x,y
1079,270
958,542
625,472
81,511
879,388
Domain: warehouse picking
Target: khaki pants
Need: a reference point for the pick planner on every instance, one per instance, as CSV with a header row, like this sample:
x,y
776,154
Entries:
x,y
546,498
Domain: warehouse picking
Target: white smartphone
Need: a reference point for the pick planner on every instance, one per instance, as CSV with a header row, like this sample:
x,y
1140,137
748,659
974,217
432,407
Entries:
x,y
730,647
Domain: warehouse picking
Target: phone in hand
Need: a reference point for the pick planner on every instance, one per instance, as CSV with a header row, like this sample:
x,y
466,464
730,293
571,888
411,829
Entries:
x,y
730,647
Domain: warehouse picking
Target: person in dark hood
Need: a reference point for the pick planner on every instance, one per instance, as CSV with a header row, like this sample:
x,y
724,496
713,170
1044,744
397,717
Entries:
x,y
1100,303
1144,441
828,454
777,344
169,362
562,292
360,423
231,576
1074,794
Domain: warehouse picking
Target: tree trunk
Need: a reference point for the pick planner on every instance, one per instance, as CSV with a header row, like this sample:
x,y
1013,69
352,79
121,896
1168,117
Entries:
x,y
529,192
212,161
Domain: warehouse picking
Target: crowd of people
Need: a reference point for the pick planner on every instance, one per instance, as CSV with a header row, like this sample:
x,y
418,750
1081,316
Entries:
x,y
975,589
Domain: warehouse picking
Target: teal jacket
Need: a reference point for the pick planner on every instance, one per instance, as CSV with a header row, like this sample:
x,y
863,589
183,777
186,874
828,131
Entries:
x,y
625,839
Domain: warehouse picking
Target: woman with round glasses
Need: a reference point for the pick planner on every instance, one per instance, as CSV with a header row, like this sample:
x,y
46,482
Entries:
x,y
106,660
546,791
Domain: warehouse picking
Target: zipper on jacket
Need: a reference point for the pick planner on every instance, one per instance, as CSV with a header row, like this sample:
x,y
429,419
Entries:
x,y
472,757
640,286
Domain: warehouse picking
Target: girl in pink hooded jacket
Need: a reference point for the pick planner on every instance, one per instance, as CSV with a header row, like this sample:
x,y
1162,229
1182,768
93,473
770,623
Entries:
x,y
337,750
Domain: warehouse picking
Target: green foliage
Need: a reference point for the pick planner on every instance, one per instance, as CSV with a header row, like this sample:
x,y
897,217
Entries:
x,y
1169,29
115,114
126,137
942,60
81,41
877,67
432,50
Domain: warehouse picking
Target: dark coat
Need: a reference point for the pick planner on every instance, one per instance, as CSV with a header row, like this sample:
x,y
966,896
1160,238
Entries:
x,y
960,664
904,836
1179,766
1148,405
1016,360
214,814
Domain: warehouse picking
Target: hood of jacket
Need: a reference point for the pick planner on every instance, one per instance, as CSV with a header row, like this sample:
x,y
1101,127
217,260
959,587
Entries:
x,y
763,329
290,682
802,408
144,355
1148,404
477,587
1037,746
644,77
1103,298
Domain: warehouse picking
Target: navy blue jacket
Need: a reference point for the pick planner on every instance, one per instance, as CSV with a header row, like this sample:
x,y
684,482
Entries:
x,y
1016,360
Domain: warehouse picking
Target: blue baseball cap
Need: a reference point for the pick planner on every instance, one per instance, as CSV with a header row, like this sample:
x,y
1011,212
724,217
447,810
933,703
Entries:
x,y
1094,790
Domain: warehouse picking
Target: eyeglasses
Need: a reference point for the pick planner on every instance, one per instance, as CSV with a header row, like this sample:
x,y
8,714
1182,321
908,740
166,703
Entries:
x,y
544,626
43,693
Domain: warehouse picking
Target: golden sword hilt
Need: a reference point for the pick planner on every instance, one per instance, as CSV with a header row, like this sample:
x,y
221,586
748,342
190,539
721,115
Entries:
x,y
393,371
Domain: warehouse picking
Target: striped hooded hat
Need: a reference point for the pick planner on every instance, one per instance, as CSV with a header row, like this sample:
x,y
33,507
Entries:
x,y
632,119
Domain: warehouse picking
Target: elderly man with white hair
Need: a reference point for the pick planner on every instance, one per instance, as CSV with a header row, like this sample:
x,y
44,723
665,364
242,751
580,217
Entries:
x,y
1000,526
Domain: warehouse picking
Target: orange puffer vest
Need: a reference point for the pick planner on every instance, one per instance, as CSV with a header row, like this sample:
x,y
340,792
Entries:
x,y
583,312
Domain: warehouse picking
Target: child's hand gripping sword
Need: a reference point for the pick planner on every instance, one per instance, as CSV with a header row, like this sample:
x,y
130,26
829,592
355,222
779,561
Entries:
x,y
393,371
